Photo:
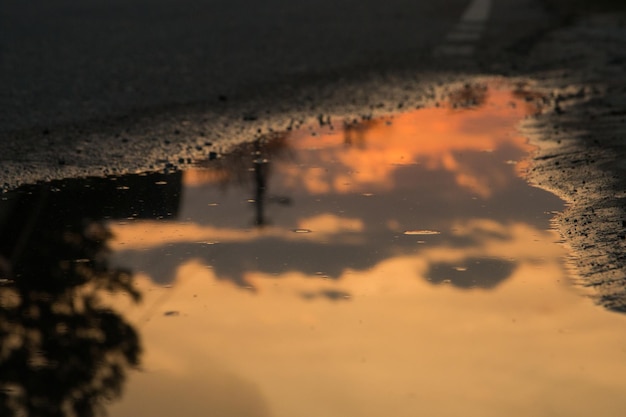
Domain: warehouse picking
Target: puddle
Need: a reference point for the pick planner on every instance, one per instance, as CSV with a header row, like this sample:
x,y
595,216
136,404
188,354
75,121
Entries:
x,y
399,266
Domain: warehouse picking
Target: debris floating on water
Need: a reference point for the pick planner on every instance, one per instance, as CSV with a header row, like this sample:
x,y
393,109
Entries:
x,y
422,232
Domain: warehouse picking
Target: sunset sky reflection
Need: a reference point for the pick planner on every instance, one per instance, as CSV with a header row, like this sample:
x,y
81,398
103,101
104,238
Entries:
x,y
353,316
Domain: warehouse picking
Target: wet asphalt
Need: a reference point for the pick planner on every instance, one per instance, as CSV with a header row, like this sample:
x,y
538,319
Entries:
x,y
70,61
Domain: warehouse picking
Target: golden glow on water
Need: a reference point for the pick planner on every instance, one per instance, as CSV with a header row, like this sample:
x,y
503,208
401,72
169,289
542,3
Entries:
x,y
364,316
396,345
143,235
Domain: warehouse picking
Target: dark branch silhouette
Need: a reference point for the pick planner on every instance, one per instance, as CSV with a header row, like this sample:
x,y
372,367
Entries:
x,y
63,351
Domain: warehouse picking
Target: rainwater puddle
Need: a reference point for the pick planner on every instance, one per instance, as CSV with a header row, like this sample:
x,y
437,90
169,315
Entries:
x,y
397,267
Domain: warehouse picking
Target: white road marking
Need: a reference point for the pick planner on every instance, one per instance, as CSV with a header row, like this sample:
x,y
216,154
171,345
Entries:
x,y
477,11
462,39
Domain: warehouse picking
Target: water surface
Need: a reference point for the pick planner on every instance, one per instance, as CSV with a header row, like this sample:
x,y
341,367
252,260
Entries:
x,y
399,266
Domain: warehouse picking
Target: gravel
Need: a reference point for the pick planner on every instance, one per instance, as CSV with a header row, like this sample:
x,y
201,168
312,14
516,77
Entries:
x,y
581,69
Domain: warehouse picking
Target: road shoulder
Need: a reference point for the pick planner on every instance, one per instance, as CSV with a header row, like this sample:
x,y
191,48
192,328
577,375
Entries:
x,y
582,146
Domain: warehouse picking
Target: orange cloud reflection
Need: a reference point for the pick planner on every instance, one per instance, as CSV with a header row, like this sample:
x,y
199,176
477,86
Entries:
x,y
358,188
435,137
366,157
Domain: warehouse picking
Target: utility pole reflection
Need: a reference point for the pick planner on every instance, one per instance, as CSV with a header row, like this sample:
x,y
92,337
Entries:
x,y
261,171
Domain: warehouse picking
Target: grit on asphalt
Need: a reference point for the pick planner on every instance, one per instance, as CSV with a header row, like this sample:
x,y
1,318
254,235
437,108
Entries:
x,y
582,146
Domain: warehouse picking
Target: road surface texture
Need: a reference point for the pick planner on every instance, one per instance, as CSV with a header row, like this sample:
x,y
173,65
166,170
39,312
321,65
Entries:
x,y
582,140
116,86
105,86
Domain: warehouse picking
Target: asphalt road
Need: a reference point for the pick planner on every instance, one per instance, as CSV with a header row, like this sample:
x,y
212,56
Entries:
x,y
69,61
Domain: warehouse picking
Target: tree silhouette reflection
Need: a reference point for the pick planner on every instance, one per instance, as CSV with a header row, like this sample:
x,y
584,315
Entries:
x,y
63,352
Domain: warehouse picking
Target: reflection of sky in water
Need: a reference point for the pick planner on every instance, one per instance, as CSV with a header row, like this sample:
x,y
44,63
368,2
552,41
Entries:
x,y
369,312
357,191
